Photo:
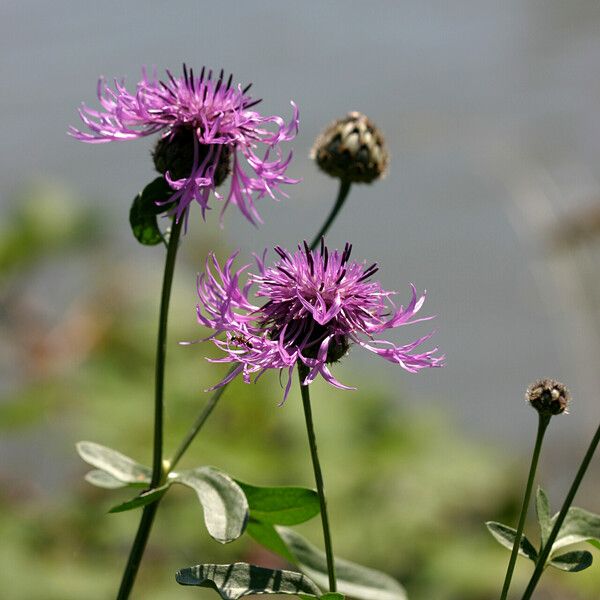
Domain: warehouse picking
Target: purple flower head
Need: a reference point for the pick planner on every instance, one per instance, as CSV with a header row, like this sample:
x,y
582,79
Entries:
x,y
318,303
209,127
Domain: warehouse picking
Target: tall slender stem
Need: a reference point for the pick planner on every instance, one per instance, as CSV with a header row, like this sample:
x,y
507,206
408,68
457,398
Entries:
x,y
158,472
312,441
542,425
198,423
342,195
540,565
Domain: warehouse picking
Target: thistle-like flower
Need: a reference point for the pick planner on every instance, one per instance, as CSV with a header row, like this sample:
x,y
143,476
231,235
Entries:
x,y
318,303
208,125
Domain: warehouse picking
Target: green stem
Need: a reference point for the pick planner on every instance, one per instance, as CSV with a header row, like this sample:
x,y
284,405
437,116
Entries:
x,y
342,195
542,425
198,424
312,441
540,565
158,471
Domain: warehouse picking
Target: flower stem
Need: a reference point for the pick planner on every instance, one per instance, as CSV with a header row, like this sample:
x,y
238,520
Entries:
x,y
542,425
540,565
312,441
158,471
198,424
342,195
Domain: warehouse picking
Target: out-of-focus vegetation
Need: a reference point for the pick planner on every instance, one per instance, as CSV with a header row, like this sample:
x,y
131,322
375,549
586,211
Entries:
x,y
407,493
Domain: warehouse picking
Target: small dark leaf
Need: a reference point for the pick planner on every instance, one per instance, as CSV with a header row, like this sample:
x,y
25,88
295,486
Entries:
x,y
241,579
572,561
225,506
281,505
353,580
144,209
542,508
506,537
141,500
114,463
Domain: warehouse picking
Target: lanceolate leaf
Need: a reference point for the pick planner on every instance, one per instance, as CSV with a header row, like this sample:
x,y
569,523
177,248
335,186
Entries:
x,y
506,537
265,535
104,480
572,561
114,463
578,526
281,505
542,507
225,506
141,500
241,579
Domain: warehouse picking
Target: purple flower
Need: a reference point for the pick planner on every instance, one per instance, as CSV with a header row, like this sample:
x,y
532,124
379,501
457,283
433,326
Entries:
x,y
208,126
317,305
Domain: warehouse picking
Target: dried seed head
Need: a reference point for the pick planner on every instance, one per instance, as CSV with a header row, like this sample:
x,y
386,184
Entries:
x,y
548,397
351,148
175,153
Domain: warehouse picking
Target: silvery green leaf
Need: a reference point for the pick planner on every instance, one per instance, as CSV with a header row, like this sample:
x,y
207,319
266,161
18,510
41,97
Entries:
x,y
114,463
579,526
104,480
542,508
506,536
572,561
241,579
353,580
224,503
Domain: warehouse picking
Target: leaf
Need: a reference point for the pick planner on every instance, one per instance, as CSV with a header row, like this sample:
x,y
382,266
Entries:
x,y
225,506
144,498
542,508
506,537
104,480
573,561
281,505
579,526
332,596
265,534
142,215
241,579
353,580
114,463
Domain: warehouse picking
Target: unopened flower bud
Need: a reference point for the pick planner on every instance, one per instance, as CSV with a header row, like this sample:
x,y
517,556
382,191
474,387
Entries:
x,y
351,148
548,397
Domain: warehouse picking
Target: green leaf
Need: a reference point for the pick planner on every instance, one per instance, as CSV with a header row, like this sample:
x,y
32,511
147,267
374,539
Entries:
x,y
573,561
579,526
542,508
332,596
104,480
241,579
141,500
281,505
265,534
144,209
506,537
353,580
114,463
225,506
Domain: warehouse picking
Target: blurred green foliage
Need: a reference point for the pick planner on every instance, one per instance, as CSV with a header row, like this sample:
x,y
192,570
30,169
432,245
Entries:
x,y
408,494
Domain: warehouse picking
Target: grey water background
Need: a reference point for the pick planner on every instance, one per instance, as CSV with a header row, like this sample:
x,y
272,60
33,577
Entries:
x,y
492,115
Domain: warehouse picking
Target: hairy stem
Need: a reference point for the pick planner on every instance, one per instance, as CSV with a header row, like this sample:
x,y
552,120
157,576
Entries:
x,y
540,565
158,471
542,425
312,441
342,195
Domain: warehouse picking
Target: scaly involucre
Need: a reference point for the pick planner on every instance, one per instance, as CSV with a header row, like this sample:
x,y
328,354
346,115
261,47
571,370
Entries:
x,y
223,121
318,303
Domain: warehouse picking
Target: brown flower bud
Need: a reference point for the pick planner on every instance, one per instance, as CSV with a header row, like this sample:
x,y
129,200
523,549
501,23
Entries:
x,y
351,148
548,397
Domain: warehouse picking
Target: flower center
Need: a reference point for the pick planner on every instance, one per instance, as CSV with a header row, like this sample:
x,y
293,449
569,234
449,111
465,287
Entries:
x,y
175,153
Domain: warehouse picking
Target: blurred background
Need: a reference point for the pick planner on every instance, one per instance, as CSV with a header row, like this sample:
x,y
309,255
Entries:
x,y
491,112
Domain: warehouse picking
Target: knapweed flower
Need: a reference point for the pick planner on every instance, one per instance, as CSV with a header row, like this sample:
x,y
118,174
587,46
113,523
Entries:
x,y
209,127
317,304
